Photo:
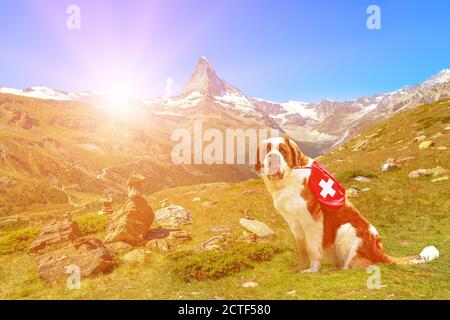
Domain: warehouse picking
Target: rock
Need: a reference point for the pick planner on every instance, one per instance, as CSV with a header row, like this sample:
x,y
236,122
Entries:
x,y
419,138
248,192
57,234
362,179
437,135
365,189
106,207
249,284
197,199
427,172
119,247
360,145
426,144
404,159
180,236
258,228
7,181
213,243
247,237
292,293
158,244
89,255
209,203
137,256
352,192
442,148
173,216
132,223
223,229
445,178
389,165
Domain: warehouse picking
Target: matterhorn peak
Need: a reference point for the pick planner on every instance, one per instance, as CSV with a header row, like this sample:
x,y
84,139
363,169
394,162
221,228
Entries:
x,y
205,81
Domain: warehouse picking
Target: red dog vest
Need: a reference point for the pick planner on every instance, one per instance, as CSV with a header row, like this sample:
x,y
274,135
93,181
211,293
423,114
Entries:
x,y
325,187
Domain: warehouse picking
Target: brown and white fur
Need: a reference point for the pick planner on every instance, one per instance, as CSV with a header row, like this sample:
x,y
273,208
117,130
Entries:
x,y
342,235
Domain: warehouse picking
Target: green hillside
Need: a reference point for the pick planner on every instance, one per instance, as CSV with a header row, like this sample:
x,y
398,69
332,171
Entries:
x,y
409,213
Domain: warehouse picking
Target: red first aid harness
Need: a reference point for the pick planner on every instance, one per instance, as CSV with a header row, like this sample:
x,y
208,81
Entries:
x,y
325,187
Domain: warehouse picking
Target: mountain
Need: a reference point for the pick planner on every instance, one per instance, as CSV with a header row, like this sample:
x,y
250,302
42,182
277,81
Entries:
x,y
408,213
71,147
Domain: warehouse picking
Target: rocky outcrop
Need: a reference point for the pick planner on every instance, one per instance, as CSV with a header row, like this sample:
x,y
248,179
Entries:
x,y
426,144
89,256
173,216
256,227
427,172
389,165
132,223
57,234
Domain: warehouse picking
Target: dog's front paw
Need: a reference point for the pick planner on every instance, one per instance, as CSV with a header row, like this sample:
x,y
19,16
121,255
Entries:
x,y
301,266
314,267
310,270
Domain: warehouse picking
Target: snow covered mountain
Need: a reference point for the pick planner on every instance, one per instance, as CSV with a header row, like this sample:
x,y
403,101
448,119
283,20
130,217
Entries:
x,y
316,126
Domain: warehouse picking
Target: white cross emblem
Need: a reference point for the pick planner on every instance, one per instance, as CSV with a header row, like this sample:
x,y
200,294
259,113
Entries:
x,y
327,188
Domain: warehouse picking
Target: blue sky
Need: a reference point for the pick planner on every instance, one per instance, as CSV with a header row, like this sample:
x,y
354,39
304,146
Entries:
x,y
279,50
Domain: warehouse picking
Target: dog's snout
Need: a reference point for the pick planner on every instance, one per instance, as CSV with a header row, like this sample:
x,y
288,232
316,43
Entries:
x,y
273,162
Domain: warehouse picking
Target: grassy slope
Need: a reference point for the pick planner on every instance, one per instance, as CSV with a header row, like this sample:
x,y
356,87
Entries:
x,y
408,213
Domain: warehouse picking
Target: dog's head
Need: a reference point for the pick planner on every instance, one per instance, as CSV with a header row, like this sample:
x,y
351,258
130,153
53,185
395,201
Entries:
x,y
276,157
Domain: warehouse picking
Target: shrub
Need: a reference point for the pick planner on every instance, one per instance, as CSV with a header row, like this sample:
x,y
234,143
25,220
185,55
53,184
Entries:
x,y
18,240
91,223
346,176
189,265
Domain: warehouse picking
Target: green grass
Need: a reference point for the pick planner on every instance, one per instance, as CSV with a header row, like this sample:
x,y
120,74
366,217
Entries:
x,y
408,213
18,240
91,223
348,175
203,265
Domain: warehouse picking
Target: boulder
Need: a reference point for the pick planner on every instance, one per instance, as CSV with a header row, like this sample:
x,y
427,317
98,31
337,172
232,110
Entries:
x,y
444,178
119,247
179,236
158,244
137,256
90,256
173,216
256,227
132,223
352,192
389,165
419,138
215,242
427,172
404,159
57,234
426,144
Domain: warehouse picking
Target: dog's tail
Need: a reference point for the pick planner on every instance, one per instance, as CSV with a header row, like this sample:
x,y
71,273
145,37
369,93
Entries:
x,y
426,255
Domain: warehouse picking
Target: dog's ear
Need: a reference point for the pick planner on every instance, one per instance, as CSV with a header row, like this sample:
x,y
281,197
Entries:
x,y
298,157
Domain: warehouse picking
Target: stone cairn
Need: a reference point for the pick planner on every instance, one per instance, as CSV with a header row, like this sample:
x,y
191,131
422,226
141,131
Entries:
x,y
107,208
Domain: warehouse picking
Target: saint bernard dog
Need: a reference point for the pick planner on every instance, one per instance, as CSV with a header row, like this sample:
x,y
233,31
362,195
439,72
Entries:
x,y
338,231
